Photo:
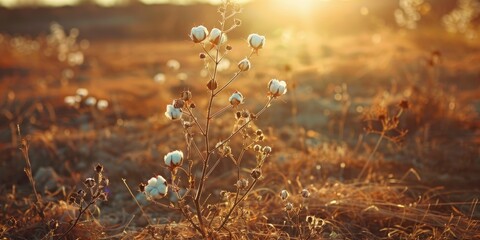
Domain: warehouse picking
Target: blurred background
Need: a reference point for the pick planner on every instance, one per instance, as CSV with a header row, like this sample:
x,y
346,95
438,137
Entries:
x,y
168,19
88,81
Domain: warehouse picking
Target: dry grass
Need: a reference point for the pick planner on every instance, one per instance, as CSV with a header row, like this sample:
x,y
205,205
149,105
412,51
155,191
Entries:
x,y
423,187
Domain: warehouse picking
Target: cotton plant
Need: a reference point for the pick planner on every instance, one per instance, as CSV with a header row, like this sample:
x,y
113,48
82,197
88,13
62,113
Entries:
x,y
88,105
190,168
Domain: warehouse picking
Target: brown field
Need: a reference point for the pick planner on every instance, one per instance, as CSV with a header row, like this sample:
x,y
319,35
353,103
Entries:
x,y
421,178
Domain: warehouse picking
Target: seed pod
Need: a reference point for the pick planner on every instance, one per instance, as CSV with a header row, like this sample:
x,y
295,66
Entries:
x,y
256,173
89,182
186,95
267,149
238,115
12,222
244,65
99,168
212,85
178,103
284,195
187,124
237,22
289,207
141,187
52,224
103,197
404,104
305,193
242,183
212,208
81,193
72,199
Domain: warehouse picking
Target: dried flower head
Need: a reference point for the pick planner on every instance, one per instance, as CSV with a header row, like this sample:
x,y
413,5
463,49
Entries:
x,y
173,159
257,148
173,113
156,187
198,34
277,88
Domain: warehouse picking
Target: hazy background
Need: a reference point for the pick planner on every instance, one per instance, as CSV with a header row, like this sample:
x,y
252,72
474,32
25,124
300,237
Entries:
x,y
136,19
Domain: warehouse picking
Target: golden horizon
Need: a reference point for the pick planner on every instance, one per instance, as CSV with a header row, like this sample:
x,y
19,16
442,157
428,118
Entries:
x,y
105,3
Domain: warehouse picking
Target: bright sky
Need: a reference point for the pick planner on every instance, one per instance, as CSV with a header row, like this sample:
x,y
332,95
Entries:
x,y
10,3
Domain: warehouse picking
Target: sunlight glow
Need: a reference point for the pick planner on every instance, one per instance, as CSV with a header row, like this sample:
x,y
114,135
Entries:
x,y
298,6
106,3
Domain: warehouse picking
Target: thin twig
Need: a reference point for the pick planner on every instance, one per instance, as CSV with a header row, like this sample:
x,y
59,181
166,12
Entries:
x,y
136,201
28,171
244,125
371,154
236,204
